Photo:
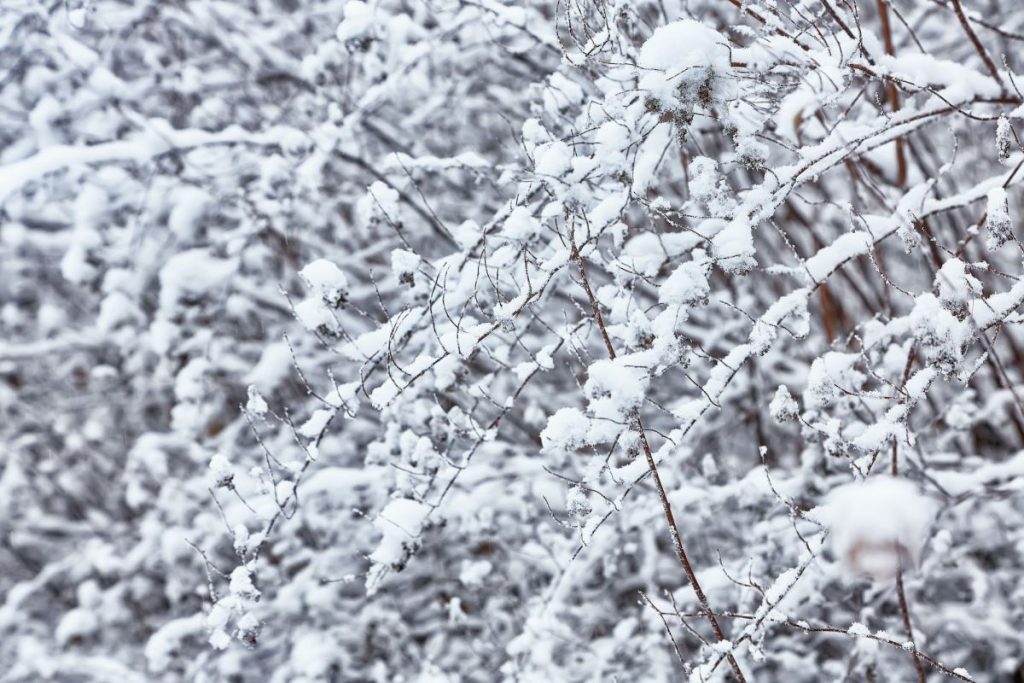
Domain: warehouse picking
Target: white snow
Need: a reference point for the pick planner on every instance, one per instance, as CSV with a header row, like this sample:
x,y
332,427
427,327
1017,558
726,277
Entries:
x,y
955,285
618,384
357,22
844,248
190,274
733,247
316,423
474,572
315,316
943,337
682,53
400,524
189,206
313,654
166,641
274,366
997,218
520,225
831,376
877,525
404,264
783,407
687,285
241,583
566,429
77,624
256,404
553,159
858,629
326,281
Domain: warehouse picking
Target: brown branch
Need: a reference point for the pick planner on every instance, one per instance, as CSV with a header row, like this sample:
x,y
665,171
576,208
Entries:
x,y
891,92
666,506
838,19
905,612
979,48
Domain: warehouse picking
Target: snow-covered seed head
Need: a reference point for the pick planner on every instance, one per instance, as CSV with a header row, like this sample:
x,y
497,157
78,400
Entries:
x,y
783,407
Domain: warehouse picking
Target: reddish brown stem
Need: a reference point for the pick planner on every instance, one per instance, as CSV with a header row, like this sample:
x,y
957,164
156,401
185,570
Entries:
x,y
905,612
891,92
978,47
666,506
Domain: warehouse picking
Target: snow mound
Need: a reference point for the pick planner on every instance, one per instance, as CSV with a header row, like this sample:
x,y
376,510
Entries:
x,y
877,525
682,57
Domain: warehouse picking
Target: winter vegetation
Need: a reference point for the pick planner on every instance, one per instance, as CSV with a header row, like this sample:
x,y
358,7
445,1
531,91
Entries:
x,y
488,340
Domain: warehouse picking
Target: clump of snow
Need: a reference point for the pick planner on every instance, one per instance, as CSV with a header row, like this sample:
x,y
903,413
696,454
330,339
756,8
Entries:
x,y
473,572
956,287
997,219
561,93
877,525
400,523
190,204
707,185
687,285
830,378
520,225
313,654
577,504
466,234
919,382
783,407
942,337
256,404
858,629
432,674
241,583
317,317
843,248
751,152
379,205
325,280
788,312
316,423
617,385
404,264
328,290
566,429
191,274
357,22
221,471
684,56
166,642
190,388
553,159
733,247
1003,136
116,309
274,366
77,624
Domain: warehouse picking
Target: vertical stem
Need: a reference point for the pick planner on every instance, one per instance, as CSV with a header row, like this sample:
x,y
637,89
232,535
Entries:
x,y
900,593
666,506
891,92
905,611
978,47
895,468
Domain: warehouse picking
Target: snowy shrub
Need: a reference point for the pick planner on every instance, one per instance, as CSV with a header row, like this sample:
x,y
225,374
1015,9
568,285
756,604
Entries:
x,y
492,340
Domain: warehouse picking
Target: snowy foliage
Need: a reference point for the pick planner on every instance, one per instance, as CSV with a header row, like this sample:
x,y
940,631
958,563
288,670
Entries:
x,y
522,341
